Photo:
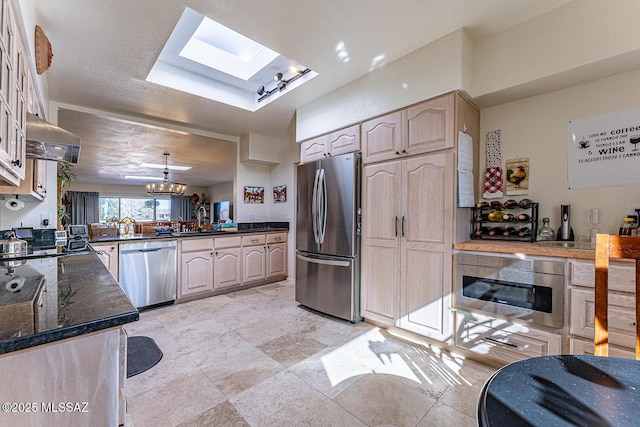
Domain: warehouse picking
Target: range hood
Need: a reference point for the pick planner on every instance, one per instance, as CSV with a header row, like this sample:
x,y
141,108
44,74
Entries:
x,y
46,141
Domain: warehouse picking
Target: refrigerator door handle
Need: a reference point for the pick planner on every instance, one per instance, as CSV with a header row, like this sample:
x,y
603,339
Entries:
x,y
396,226
314,208
322,220
402,225
324,261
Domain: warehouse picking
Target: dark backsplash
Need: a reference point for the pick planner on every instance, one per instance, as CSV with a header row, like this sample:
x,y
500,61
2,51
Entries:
x,y
263,225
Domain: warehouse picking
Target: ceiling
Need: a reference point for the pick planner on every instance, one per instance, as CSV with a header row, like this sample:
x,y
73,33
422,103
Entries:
x,y
104,50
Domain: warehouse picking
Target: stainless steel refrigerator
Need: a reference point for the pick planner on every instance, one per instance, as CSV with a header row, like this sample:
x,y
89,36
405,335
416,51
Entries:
x,y
328,236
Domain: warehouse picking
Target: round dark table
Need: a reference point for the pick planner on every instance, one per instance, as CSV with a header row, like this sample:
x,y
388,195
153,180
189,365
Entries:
x,y
565,390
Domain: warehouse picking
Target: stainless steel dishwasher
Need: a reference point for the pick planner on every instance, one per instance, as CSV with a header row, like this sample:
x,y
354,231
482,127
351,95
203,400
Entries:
x,y
148,271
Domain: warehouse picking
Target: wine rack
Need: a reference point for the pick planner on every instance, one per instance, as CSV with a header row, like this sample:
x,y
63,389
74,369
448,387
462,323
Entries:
x,y
505,217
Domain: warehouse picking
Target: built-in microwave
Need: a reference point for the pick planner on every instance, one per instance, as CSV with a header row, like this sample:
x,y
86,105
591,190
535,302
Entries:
x,y
515,287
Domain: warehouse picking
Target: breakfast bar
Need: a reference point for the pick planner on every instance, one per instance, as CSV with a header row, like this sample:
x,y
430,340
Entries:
x,y
63,351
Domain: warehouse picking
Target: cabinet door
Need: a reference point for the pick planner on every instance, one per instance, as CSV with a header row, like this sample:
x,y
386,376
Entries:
x,y
313,149
621,316
253,261
426,248
380,266
430,125
108,254
276,259
196,272
382,138
345,140
228,267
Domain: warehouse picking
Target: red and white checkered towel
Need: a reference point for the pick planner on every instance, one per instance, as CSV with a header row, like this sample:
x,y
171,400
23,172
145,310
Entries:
x,y
493,177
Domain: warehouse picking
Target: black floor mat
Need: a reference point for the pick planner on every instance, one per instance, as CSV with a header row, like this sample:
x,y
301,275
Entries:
x,y
142,354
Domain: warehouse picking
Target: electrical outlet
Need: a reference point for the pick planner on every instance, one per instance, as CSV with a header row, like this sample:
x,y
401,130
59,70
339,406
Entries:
x,y
45,219
253,217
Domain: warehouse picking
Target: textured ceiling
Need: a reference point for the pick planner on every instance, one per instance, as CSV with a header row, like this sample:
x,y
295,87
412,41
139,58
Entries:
x,y
103,51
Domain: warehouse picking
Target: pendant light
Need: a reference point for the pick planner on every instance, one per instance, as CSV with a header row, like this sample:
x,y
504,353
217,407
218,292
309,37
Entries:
x,y
166,188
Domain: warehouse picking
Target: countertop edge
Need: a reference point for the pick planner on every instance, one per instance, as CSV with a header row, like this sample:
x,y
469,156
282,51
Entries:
x,y
135,237
46,337
522,248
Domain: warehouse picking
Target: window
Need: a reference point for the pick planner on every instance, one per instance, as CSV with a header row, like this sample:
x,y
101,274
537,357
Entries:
x,y
138,209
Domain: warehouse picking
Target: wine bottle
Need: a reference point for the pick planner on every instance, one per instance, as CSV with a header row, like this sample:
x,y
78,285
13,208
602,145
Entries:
x,y
495,215
525,232
496,231
508,217
482,205
524,217
482,217
496,204
510,203
483,231
525,203
510,231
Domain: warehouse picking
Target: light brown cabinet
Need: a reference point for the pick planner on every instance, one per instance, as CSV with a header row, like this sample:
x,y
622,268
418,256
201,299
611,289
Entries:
x,y
276,255
343,141
407,238
409,215
108,254
228,262
196,267
34,186
504,340
422,128
254,255
621,308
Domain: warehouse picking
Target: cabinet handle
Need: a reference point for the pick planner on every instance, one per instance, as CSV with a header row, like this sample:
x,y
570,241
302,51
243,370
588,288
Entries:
x,y
396,226
17,162
500,342
254,241
397,153
402,225
404,151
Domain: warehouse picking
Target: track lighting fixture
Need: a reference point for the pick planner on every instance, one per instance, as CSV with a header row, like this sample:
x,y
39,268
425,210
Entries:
x,y
282,83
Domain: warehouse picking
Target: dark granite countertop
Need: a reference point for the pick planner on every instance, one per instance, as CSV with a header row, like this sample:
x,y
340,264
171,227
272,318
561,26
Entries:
x,y
75,295
243,228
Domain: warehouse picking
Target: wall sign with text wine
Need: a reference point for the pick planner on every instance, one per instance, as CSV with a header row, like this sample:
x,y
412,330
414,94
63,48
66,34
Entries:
x,y
509,220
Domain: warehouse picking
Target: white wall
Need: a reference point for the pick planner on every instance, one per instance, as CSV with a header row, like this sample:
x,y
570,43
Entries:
x,y
32,213
537,128
437,68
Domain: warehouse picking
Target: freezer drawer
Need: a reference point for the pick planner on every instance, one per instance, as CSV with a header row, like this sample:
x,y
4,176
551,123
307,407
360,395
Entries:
x,y
328,284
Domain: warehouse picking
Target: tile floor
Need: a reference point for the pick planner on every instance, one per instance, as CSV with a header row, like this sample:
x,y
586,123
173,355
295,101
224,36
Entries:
x,y
256,358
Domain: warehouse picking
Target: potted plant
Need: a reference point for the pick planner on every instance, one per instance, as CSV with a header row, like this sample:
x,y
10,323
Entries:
x,y
65,177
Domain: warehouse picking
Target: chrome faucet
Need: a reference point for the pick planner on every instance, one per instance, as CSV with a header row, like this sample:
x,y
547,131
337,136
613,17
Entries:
x,y
201,209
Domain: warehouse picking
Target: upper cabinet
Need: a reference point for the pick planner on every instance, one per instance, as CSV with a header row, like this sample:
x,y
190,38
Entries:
x,y
14,78
422,128
342,141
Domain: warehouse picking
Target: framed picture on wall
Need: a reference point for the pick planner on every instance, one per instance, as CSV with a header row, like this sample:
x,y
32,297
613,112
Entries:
x,y
280,194
253,194
517,174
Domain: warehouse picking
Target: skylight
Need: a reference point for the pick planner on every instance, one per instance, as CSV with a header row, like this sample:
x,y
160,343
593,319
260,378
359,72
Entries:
x,y
205,58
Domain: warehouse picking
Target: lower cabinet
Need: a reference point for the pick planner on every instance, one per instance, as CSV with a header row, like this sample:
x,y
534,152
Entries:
x,y
621,311
503,340
108,254
276,255
221,264
228,262
254,254
196,267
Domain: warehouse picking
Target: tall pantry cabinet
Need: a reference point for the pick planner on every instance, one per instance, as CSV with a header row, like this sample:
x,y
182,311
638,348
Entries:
x,y
409,214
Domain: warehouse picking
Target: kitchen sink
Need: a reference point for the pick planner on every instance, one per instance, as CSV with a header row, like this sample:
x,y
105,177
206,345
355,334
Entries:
x,y
584,246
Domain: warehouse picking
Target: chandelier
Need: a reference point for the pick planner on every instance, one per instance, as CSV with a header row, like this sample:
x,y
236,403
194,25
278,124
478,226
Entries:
x,y
166,188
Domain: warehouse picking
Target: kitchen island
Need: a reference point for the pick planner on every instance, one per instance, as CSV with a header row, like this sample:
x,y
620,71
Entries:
x,y
63,349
